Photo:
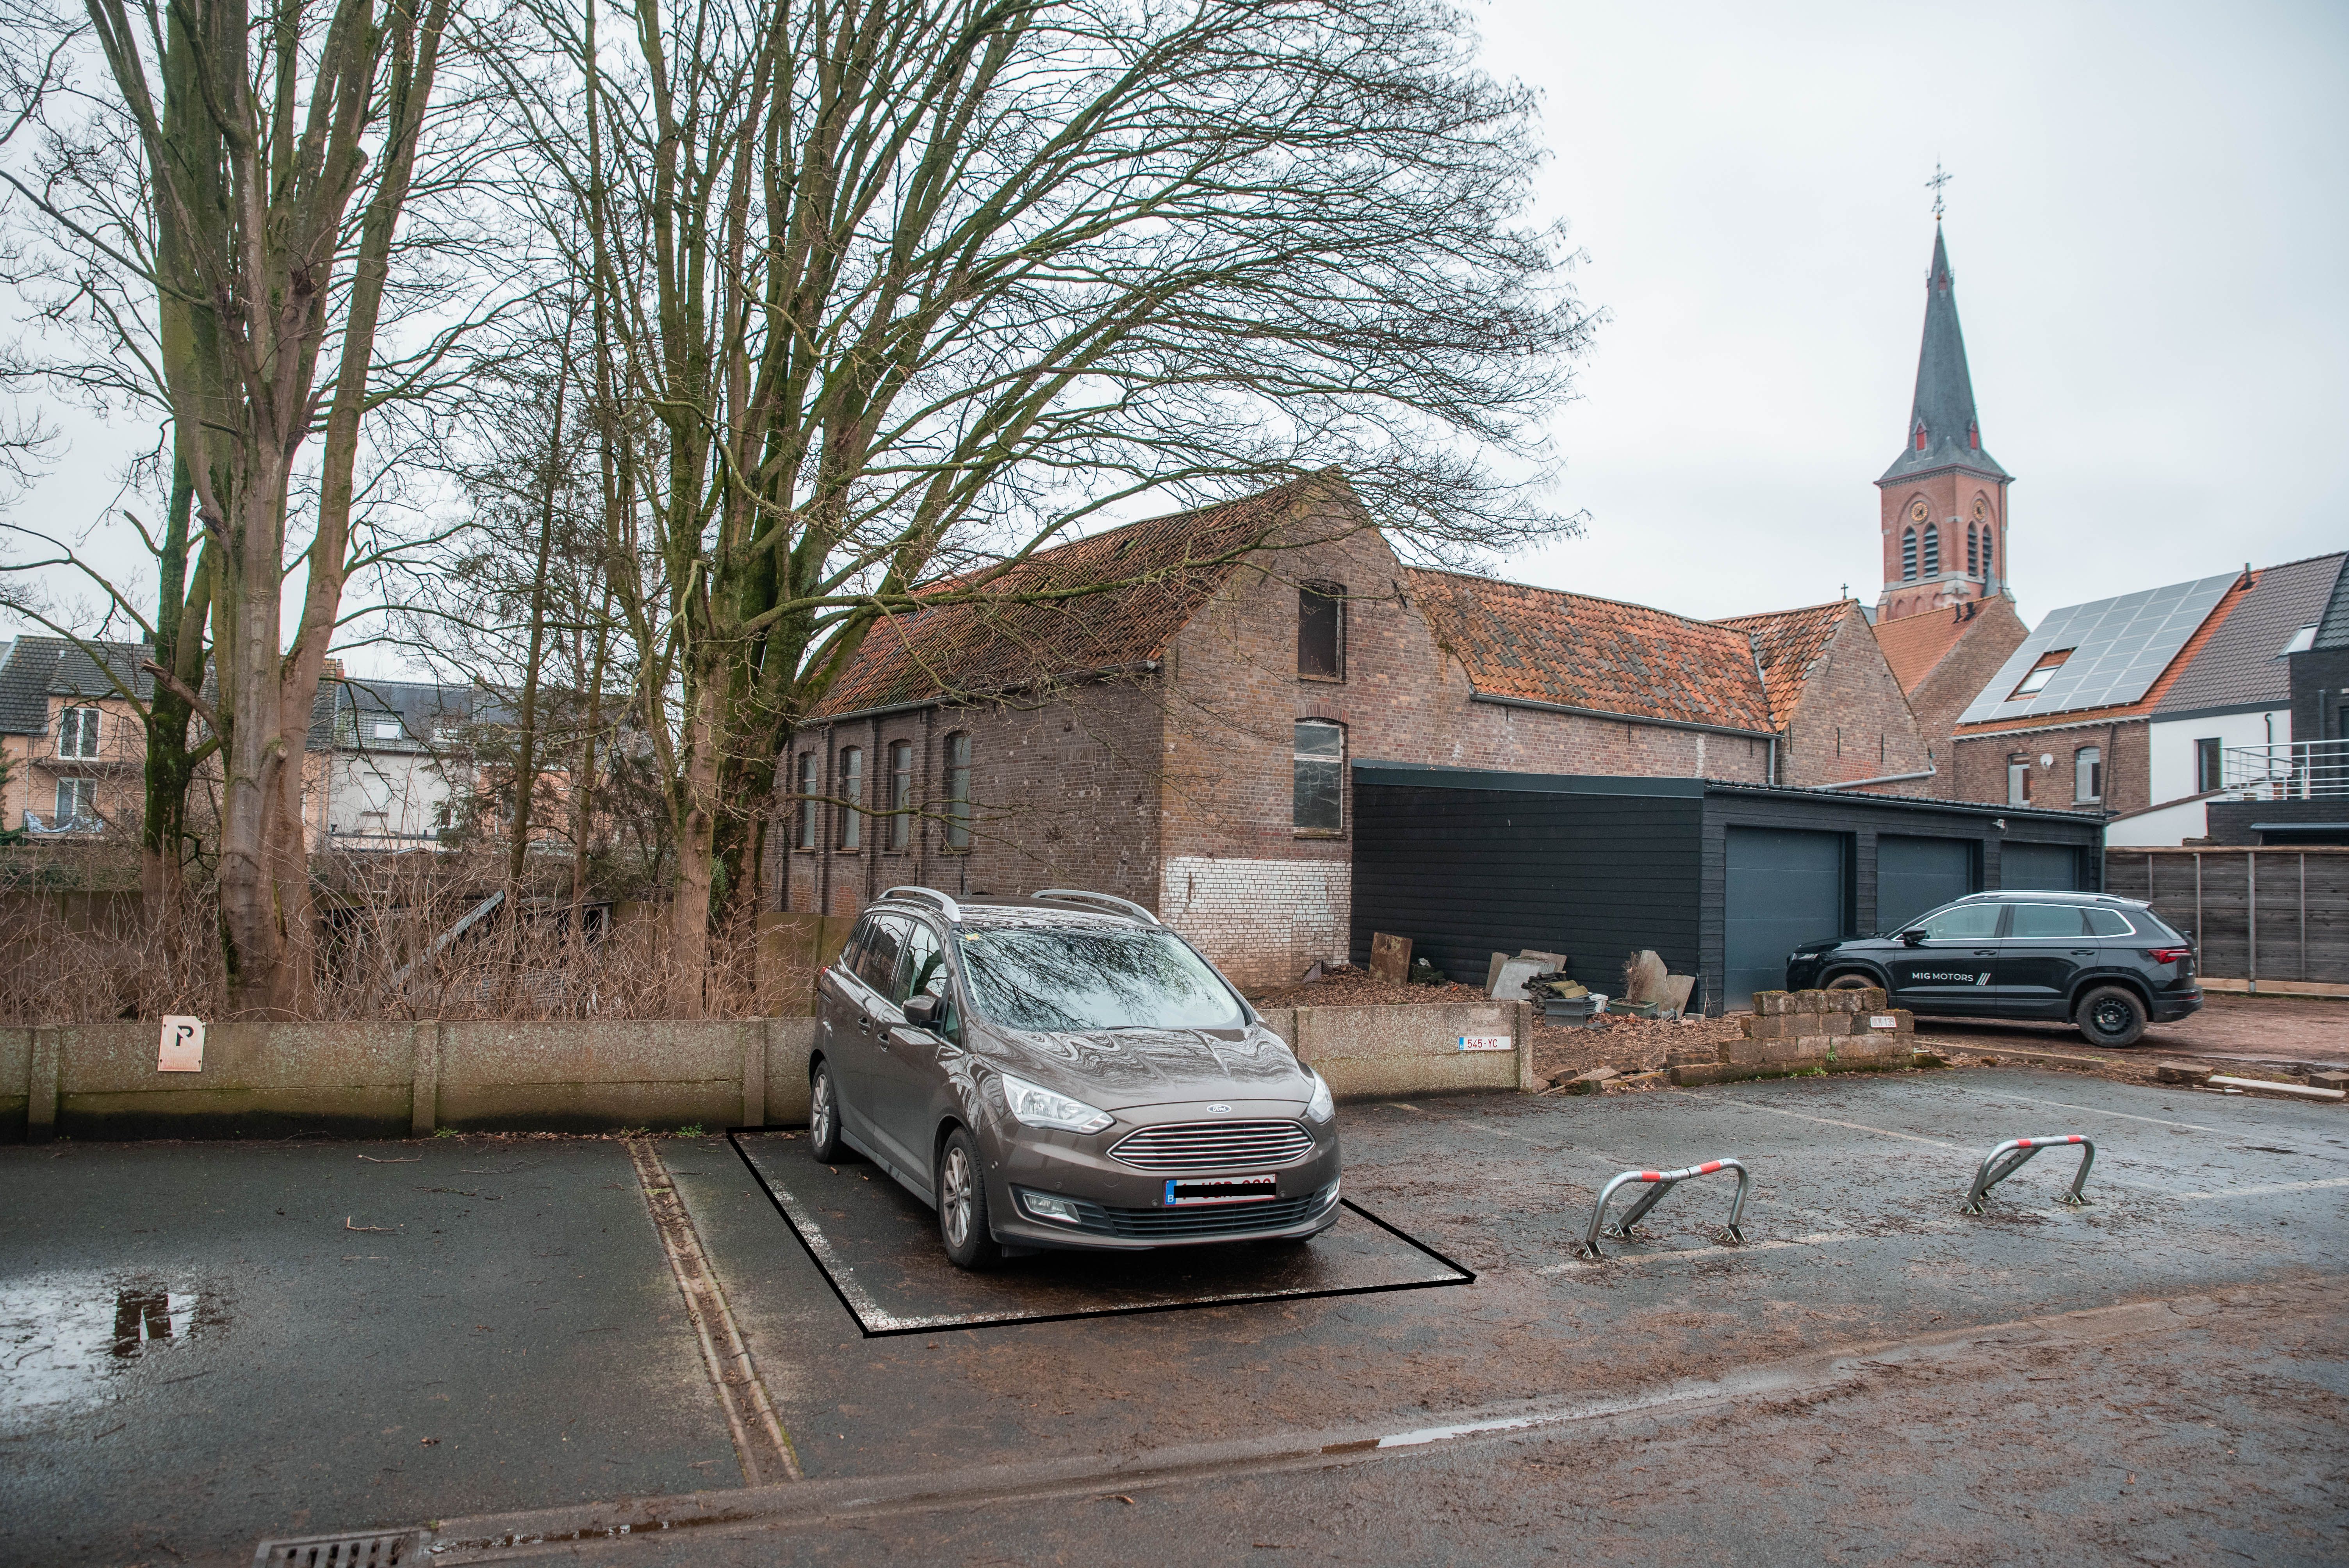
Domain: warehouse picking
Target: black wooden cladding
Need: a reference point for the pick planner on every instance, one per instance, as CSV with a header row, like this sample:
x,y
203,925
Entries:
x,y
1466,873
1469,863
2302,929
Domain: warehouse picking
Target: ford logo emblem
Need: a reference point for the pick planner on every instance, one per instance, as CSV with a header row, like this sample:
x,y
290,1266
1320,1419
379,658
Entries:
x,y
1219,1110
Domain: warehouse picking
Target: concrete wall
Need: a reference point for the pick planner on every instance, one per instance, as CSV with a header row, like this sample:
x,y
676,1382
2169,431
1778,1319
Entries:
x,y
408,1080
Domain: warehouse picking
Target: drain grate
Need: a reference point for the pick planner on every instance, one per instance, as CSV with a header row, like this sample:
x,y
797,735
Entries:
x,y
373,1548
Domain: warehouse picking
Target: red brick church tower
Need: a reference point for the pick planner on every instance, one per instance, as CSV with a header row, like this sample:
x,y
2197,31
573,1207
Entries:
x,y
1944,498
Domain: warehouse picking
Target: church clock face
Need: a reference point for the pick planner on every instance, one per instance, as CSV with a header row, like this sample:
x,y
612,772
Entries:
x,y
1917,513
1981,508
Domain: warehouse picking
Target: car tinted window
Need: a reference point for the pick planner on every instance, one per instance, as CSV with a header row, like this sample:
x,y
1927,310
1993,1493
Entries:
x,y
923,973
878,967
2151,924
853,949
1962,922
2107,923
2046,920
1100,977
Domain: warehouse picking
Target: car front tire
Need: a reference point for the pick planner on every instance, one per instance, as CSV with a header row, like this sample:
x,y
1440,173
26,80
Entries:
x,y
824,1115
962,1205
1849,982
2111,1015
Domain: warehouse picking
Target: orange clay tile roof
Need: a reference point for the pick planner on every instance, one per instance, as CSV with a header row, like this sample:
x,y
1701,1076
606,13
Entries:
x,y
2142,705
1914,644
1787,643
1166,569
1544,645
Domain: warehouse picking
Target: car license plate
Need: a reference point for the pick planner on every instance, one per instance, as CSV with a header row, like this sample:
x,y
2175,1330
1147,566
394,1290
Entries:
x,y
1222,1190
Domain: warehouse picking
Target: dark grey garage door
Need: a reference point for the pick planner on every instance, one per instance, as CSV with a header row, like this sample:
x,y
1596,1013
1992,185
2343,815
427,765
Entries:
x,y
1913,875
1782,888
2050,866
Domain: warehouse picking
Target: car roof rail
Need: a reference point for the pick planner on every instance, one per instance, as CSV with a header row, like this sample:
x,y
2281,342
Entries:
x,y
1107,900
953,910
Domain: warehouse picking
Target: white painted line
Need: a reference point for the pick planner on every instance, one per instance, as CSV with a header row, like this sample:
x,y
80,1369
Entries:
x,y
2266,1192
1855,1126
2067,1104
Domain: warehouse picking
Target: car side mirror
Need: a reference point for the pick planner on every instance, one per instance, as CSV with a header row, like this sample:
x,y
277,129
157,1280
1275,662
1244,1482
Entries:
x,y
1914,937
925,1012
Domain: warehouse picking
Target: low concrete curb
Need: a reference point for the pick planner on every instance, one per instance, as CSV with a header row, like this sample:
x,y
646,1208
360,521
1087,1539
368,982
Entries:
x,y
414,1079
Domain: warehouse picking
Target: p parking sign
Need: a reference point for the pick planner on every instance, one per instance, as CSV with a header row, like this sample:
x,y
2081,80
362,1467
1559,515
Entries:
x,y
183,1045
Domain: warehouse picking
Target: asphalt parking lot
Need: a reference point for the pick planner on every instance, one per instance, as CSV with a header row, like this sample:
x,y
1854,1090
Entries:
x,y
203,1345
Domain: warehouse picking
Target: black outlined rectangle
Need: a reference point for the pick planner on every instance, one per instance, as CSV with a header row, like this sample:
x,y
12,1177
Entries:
x,y
1360,1256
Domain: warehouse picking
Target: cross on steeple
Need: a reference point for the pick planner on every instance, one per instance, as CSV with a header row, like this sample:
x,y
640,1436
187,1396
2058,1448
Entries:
x,y
1940,178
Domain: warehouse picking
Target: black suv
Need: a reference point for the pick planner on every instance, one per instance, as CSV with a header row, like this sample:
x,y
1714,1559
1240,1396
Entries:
x,y
2106,964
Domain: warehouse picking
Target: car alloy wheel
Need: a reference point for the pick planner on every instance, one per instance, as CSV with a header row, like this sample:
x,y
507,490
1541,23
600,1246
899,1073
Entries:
x,y
2108,1016
824,1115
962,1205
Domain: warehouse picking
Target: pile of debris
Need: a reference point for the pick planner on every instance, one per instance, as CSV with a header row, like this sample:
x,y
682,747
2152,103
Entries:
x,y
1792,1032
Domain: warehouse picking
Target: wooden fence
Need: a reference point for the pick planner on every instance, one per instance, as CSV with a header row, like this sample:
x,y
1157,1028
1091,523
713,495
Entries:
x,y
2255,915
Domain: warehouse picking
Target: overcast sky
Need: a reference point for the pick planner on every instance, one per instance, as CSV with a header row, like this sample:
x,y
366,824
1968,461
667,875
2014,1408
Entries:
x,y
2146,221
2147,226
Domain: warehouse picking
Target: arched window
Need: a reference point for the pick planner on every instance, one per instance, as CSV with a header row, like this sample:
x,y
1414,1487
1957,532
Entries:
x,y
1988,565
1973,549
958,792
1933,550
1907,555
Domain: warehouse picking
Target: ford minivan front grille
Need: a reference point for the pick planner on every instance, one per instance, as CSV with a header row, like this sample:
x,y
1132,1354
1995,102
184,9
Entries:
x,y
1194,1146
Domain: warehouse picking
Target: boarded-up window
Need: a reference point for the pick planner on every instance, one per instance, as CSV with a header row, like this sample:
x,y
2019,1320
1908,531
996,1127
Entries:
x,y
901,793
1322,631
1321,763
851,790
957,791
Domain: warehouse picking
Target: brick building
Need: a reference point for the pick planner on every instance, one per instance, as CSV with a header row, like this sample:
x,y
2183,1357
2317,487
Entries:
x,y
1184,736
74,744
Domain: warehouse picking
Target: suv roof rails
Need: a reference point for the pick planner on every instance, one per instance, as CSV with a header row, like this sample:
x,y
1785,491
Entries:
x,y
1109,901
952,910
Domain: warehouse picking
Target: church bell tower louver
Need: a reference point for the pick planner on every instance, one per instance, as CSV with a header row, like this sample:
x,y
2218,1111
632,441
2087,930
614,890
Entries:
x,y
1944,498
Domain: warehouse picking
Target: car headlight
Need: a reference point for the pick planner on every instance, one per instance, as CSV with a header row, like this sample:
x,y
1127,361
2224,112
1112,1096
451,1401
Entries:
x,y
1321,1107
1035,1106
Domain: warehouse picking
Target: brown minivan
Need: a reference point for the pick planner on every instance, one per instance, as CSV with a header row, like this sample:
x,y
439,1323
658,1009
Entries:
x,y
1063,1071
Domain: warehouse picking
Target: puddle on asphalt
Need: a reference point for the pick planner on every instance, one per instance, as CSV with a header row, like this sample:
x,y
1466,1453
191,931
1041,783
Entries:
x,y
62,1340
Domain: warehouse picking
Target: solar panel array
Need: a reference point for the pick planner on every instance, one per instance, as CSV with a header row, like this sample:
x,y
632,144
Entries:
x,y
2119,648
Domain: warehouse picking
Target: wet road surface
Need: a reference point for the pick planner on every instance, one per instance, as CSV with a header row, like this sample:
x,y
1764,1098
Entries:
x,y
2239,1207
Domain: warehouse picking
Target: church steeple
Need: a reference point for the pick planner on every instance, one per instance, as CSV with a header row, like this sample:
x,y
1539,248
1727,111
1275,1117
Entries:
x,y
1944,430
1944,497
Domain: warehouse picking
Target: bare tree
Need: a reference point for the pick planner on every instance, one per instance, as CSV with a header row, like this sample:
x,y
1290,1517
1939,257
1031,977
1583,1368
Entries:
x,y
274,146
892,293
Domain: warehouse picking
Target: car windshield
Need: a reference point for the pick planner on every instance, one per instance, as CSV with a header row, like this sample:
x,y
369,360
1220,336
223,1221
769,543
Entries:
x,y
1095,977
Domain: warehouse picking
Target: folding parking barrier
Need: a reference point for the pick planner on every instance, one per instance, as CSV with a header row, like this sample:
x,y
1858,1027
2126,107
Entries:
x,y
2016,1153
1659,1183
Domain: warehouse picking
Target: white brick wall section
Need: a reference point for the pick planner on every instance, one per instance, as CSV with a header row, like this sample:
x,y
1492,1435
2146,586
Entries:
x,y
1259,920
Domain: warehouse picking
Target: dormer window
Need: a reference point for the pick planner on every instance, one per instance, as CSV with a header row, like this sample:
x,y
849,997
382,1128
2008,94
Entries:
x,y
2036,680
387,729
1920,435
1974,436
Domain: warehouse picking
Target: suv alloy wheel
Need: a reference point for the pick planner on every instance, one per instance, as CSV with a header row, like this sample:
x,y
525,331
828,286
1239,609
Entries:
x,y
2111,1015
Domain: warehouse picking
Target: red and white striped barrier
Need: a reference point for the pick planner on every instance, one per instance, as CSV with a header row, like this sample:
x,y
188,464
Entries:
x,y
2016,1153
1659,1183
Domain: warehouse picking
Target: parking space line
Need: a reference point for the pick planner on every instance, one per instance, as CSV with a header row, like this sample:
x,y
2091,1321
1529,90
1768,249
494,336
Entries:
x,y
2088,1110
2270,1190
1855,1126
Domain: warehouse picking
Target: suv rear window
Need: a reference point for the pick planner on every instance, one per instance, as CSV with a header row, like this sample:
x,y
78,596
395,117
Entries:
x,y
1098,977
2048,920
2109,922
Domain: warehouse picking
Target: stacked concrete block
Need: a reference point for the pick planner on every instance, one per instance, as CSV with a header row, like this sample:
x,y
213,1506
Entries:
x,y
1811,1031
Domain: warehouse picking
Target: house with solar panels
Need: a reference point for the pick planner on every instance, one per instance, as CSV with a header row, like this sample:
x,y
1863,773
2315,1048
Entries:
x,y
2171,709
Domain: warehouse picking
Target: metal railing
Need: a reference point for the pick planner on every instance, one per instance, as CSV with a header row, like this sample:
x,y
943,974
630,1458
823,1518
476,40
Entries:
x,y
2287,771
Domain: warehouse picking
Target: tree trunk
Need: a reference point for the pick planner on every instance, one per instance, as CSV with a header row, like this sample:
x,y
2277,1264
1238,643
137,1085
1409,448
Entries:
x,y
695,855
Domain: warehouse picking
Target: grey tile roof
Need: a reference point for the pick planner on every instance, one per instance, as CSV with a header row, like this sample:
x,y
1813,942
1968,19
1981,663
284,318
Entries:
x,y
38,668
2333,631
1944,404
2242,664
353,713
